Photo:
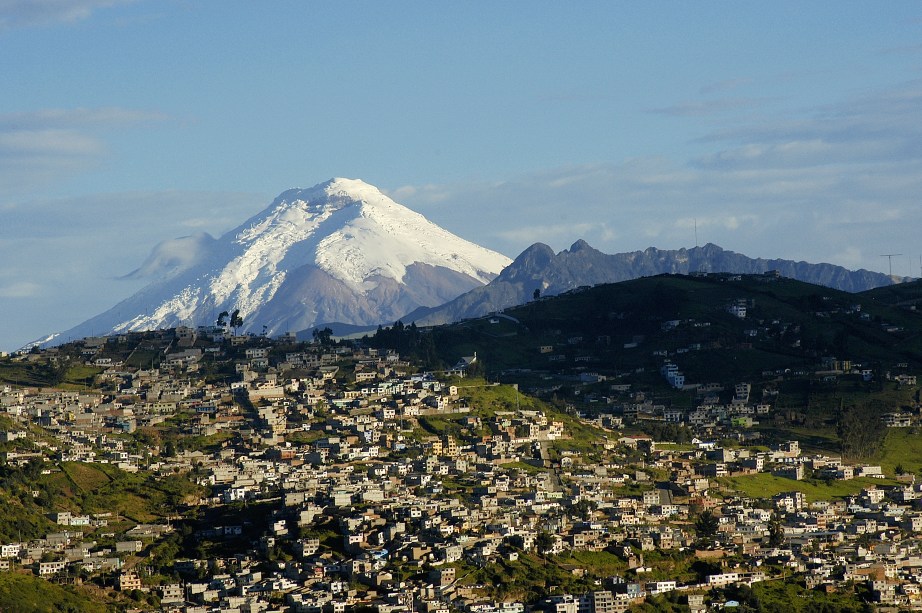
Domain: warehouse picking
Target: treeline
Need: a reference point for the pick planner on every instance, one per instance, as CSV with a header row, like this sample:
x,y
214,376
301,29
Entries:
x,y
861,429
408,341
664,431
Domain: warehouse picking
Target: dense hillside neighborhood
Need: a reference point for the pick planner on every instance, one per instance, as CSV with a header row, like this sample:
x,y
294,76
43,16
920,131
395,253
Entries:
x,y
196,470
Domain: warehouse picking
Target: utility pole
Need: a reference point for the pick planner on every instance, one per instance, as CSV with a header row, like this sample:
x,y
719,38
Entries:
x,y
890,257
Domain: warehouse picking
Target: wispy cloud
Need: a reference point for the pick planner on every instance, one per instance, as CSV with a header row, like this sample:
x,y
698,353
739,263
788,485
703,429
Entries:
x,y
835,183
427,193
902,50
25,13
68,279
881,127
723,86
174,255
47,142
21,289
703,108
79,117
43,146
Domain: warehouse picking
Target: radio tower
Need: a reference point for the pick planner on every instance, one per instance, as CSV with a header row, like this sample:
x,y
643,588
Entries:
x,y
890,257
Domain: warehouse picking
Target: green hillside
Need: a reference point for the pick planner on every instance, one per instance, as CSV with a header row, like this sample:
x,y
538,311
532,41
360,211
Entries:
x,y
814,354
619,328
28,594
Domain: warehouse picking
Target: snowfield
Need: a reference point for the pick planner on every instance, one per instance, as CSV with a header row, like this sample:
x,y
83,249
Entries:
x,y
338,251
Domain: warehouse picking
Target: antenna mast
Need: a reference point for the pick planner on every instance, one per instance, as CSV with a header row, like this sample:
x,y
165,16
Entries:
x,y
890,257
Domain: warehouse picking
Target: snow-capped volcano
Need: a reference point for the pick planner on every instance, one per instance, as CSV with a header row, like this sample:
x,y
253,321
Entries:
x,y
339,251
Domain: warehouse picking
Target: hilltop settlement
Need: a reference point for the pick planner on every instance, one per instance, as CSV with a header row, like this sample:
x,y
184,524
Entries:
x,y
194,470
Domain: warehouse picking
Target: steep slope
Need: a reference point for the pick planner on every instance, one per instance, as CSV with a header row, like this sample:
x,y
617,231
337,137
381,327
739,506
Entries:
x,y
538,268
339,251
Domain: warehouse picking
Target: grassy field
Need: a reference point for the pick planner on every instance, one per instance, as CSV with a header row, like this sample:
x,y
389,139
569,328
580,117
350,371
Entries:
x,y
21,373
601,563
485,399
86,476
903,446
675,446
97,488
812,440
80,376
764,485
28,594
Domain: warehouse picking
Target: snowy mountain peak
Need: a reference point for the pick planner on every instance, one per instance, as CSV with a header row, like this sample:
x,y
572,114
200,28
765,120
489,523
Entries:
x,y
338,251
335,193
355,232
355,189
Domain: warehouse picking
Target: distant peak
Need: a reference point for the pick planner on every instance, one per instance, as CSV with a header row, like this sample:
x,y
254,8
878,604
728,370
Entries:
x,y
347,185
355,189
335,193
538,249
580,245
538,254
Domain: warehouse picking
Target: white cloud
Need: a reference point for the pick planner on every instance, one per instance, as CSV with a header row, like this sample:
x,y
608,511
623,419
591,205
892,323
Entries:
x,y
24,13
46,146
21,289
548,233
725,85
48,142
430,194
703,108
71,255
69,118
850,257
174,255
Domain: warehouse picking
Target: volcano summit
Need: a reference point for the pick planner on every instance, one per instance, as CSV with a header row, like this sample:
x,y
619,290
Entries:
x,y
340,251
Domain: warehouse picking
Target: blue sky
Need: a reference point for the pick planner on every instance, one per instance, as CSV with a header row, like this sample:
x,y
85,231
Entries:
x,y
783,129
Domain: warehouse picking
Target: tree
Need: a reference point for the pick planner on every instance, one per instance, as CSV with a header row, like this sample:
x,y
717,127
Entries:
x,y
707,525
861,431
544,542
775,533
222,319
236,320
536,294
584,508
57,369
322,336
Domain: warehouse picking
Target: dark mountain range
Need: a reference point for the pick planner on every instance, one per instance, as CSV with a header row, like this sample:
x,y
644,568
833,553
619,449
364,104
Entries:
x,y
539,268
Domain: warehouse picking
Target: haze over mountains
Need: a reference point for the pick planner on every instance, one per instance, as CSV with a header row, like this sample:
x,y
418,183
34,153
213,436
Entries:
x,y
342,252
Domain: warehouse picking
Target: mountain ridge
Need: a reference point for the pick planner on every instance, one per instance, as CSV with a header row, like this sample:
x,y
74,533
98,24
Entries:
x,y
342,251
539,269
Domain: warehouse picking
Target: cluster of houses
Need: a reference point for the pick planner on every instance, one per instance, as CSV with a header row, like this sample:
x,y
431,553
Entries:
x,y
387,488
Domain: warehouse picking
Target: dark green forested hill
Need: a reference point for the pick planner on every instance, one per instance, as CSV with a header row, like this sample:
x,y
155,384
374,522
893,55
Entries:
x,y
621,327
